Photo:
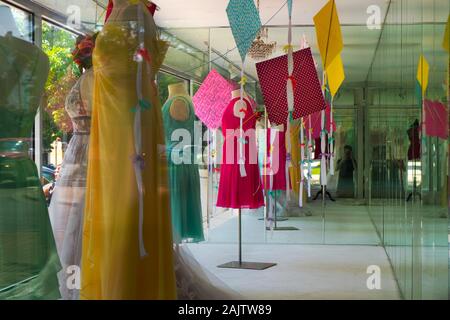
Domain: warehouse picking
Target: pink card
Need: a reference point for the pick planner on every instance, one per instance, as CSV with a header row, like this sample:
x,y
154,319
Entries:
x,y
436,119
212,98
273,76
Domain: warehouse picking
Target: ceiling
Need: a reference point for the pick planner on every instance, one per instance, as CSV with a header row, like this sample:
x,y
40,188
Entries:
x,y
190,20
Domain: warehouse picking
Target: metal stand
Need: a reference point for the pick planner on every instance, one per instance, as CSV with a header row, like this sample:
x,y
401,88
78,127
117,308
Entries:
x,y
277,228
244,264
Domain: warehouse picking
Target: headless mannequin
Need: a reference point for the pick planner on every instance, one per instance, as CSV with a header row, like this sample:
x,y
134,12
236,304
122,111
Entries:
x,y
24,60
179,110
8,24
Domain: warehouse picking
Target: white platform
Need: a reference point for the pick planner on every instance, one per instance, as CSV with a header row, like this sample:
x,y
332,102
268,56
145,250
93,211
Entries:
x,y
303,271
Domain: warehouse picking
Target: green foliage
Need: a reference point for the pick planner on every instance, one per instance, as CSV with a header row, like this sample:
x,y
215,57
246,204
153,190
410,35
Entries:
x,y
58,44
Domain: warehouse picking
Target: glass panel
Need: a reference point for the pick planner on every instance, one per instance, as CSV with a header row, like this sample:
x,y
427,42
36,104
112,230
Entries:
x,y
23,20
408,169
58,44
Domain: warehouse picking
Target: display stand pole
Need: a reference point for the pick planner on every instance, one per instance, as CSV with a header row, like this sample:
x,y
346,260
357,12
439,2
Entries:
x,y
277,228
244,264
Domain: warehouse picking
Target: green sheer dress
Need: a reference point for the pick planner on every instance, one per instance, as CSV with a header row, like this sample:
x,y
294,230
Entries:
x,y
181,147
28,258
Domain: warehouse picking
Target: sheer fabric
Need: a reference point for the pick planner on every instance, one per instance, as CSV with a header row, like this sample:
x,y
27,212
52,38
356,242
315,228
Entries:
x,y
28,258
67,204
112,267
187,220
194,282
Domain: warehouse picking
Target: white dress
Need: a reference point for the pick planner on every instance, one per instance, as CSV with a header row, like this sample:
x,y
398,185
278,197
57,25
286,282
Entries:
x,y
67,204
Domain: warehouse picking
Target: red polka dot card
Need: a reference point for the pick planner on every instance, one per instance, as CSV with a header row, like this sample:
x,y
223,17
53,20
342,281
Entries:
x,y
273,77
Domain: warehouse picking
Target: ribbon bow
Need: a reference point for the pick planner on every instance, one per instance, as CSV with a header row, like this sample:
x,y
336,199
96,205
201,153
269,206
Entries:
x,y
139,159
293,80
144,104
243,81
288,47
142,54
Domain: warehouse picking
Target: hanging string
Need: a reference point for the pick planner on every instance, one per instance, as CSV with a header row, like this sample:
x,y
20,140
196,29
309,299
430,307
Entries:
x,y
323,162
302,163
241,129
138,160
331,139
234,48
290,104
309,177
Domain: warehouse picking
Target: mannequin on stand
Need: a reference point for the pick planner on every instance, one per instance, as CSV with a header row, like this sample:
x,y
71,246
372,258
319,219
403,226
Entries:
x,y
178,115
29,262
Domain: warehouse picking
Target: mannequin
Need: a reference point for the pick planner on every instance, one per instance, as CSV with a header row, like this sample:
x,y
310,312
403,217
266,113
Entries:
x,y
7,23
67,204
179,110
126,225
32,274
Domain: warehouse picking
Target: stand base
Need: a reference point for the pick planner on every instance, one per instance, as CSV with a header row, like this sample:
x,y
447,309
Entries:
x,y
286,229
278,219
247,265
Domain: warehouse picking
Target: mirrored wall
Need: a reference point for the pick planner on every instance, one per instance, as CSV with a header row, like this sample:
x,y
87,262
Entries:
x,y
406,168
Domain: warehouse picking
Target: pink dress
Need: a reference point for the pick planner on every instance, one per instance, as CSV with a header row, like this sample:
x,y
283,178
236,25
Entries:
x,y
235,191
278,162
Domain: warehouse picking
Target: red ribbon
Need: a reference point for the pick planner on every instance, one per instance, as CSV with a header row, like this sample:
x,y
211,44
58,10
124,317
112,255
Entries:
x,y
293,80
144,54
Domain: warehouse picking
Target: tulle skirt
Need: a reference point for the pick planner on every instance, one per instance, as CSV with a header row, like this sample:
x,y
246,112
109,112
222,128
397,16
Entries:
x,y
66,214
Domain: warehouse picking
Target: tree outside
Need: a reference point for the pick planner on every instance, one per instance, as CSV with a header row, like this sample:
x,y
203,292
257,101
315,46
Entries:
x,y
58,44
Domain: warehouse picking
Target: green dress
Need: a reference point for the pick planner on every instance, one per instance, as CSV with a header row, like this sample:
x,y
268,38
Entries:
x,y
28,258
181,148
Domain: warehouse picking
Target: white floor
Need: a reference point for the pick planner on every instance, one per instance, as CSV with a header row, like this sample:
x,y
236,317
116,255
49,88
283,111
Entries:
x,y
302,271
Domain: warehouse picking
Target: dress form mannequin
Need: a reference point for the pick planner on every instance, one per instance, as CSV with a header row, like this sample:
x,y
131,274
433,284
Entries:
x,y
179,110
32,274
126,225
7,24
67,205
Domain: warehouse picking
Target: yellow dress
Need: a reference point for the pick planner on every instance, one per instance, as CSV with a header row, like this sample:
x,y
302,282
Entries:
x,y
112,267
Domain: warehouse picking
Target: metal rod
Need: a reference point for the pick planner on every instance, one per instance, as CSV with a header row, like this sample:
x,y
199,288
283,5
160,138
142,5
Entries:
x,y
240,236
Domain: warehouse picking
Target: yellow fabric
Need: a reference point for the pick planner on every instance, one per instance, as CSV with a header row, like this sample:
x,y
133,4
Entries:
x,y
328,32
111,265
294,171
445,43
335,75
423,70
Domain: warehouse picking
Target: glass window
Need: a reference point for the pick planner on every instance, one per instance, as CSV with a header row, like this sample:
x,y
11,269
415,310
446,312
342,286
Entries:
x,y
58,44
23,20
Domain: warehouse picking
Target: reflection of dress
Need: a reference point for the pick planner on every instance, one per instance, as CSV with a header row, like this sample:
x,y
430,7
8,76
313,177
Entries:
x,y
28,258
276,151
184,176
236,191
67,205
112,267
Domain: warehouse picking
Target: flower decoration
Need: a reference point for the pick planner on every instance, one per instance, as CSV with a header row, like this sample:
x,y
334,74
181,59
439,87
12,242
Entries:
x,y
82,54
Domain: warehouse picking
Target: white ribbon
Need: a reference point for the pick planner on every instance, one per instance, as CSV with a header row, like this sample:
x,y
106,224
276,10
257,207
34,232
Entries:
x,y
290,105
330,135
241,130
138,161
309,156
302,157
